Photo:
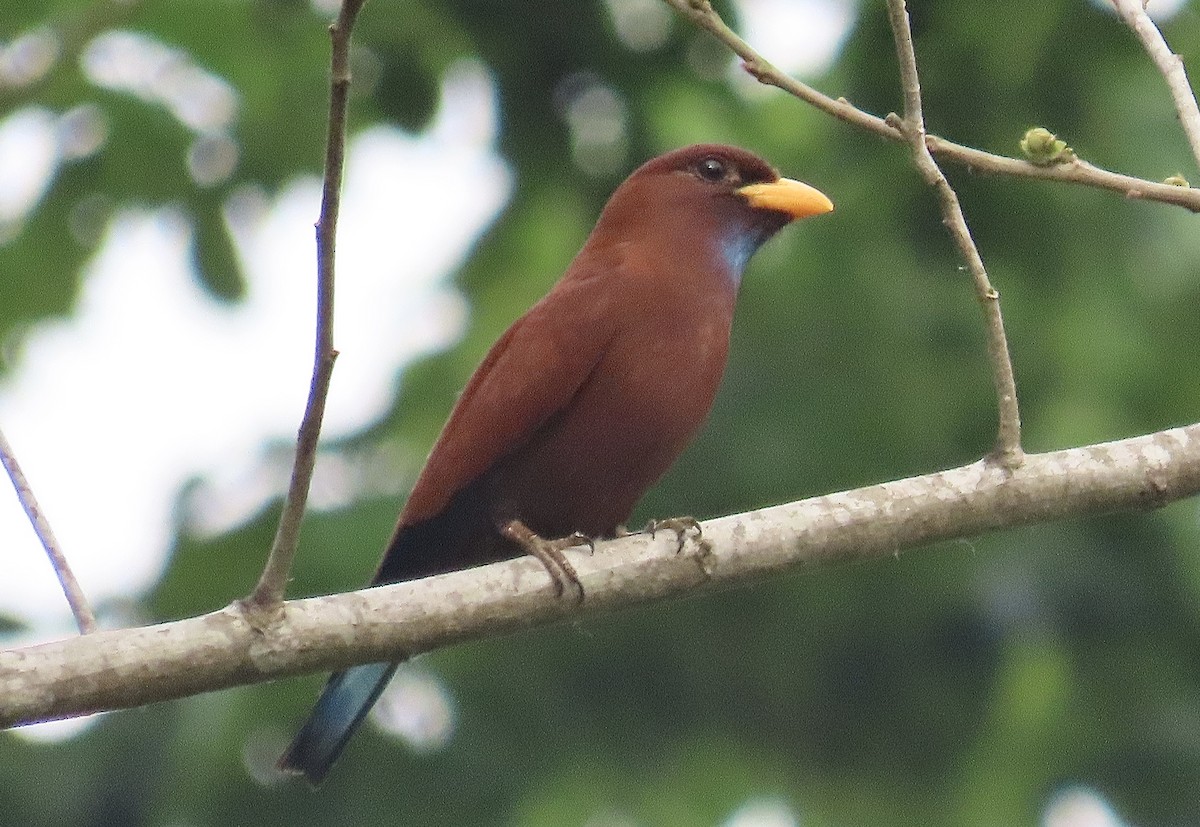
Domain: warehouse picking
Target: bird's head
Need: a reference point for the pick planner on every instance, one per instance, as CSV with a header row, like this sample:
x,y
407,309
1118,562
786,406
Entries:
x,y
720,199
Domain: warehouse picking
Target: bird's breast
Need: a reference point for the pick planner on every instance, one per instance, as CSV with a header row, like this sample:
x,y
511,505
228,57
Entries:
x,y
639,408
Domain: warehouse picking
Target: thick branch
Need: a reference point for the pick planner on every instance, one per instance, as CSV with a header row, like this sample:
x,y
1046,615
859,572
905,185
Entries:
x,y
1008,433
1169,64
76,600
126,668
702,14
268,594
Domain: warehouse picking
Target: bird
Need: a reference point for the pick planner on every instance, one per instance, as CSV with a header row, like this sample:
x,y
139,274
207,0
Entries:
x,y
586,400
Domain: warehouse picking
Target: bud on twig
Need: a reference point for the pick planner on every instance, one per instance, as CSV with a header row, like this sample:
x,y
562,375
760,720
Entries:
x,y
1042,147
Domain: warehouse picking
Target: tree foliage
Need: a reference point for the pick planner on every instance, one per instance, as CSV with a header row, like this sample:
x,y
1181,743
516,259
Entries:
x,y
965,685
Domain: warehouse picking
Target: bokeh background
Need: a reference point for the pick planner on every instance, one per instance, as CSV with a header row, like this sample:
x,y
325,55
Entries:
x,y
158,184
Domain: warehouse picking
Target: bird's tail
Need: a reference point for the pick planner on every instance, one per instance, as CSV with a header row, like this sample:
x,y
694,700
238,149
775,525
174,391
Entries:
x,y
343,704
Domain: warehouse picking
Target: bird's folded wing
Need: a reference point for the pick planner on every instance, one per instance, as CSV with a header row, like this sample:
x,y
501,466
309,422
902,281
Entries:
x,y
532,373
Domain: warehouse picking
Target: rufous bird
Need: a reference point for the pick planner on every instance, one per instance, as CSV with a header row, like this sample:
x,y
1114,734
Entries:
x,y
587,399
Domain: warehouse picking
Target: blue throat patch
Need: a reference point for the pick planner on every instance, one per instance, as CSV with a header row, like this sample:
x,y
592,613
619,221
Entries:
x,y
737,247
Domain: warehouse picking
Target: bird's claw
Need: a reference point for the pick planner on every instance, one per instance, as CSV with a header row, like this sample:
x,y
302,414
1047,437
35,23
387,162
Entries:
x,y
550,554
680,525
578,538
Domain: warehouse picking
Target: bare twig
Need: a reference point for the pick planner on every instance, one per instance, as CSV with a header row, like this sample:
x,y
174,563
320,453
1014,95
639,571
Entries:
x,y
84,618
1133,12
268,594
702,14
1008,435
130,667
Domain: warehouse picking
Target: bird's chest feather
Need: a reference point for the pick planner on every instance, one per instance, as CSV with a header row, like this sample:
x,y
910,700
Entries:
x,y
639,408
663,376
655,383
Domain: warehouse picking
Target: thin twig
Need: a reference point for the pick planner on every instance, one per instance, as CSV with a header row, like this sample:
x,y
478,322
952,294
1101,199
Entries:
x,y
1008,434
702,14
1133,12
268,594
84,618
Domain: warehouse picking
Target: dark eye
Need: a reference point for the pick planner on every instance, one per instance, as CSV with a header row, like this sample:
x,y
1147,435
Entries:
x,y
712,169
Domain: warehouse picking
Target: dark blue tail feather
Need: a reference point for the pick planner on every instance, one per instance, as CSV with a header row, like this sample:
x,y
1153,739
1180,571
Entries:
x,y
343,704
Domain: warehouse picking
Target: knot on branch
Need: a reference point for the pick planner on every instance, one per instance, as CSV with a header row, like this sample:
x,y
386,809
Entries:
x,y
259,615
1009,457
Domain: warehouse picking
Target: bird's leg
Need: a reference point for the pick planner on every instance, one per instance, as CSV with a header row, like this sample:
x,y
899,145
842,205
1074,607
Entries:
x,y
680,525
550,554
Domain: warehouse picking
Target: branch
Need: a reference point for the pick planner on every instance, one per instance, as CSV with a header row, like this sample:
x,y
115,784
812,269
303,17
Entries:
x,y
702,14
1008,434
268,594
84,618
125,668
1133,12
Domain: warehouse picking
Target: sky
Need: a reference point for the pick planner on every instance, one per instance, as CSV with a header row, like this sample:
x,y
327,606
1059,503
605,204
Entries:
x,y
151,382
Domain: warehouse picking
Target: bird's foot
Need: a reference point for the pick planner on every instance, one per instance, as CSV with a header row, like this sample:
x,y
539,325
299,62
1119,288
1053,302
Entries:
x,y
550,554
680,525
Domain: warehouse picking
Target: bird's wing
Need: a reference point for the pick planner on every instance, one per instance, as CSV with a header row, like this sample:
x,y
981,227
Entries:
x,y
530,374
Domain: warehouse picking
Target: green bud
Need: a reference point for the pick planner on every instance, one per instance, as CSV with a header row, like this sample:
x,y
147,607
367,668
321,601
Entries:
x,y
1042,147
1176,181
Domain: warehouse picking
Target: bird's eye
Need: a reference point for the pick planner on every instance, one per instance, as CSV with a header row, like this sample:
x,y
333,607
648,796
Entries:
x,y
712,169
